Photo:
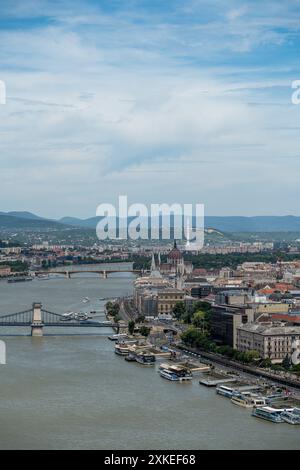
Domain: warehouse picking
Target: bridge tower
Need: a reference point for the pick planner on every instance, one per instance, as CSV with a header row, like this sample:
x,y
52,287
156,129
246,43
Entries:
x,y
37,323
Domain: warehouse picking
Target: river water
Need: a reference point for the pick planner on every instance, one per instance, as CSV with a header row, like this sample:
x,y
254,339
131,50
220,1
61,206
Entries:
x,y
72,392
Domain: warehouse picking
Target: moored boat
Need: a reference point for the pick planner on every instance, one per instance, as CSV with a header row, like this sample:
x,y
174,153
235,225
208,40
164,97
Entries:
x,y
145,358
225,391
268,413
81,316
19,279
118,336
247,400
42,277
241,400
67,316
175,372
122,349
131,357
291,416
166,374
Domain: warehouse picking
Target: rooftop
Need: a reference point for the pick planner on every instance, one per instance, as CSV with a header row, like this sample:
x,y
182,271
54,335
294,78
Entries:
x,y
270,330
175,254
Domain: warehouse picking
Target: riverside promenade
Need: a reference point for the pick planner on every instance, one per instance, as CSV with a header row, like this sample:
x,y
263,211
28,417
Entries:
x,y
282,379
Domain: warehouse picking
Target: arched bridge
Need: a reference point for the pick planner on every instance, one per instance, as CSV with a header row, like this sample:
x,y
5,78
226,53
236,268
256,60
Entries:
x,y
37,318
102,272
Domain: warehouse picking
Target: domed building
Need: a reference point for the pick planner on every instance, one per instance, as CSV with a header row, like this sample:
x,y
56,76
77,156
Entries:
x,y
175,260
175,257
175,264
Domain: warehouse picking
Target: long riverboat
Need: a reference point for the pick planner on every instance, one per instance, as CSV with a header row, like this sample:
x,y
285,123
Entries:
x,y
269,414
225,391
167,374
175,372
19,279
291,416
247,400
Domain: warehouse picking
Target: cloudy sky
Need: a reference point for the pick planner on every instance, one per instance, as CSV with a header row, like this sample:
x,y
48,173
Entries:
x,y
162,100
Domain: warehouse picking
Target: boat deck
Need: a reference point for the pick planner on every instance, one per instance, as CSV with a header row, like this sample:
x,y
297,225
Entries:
x,y
213,382
194,367
289,402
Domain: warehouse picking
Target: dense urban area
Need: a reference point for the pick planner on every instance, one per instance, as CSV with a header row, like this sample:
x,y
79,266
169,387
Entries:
x,y
238,300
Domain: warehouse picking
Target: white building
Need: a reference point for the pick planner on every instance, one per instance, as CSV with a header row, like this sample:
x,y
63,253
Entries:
x,y
271,341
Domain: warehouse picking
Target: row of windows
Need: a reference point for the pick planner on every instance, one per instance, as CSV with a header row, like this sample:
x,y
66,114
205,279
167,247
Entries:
x,y
172,297
166,307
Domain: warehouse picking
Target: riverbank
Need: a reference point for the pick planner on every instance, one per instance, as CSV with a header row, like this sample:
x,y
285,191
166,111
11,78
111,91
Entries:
x,y
127,313
217,358
74,392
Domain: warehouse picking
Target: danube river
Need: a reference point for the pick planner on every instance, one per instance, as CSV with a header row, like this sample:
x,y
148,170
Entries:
x,y
73,392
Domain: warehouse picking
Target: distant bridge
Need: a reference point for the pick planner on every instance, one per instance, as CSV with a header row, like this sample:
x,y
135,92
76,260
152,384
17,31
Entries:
x,y
37,318
102,272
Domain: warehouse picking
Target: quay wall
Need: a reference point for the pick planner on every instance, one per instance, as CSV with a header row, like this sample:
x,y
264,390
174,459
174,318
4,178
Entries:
x,y
243,367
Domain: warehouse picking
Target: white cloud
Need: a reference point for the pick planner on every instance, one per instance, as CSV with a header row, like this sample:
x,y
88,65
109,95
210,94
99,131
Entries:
x,y
103,103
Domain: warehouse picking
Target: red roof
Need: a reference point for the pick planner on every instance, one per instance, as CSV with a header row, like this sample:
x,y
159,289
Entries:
x,y
284,286
175,253
266,291
199,272
286,317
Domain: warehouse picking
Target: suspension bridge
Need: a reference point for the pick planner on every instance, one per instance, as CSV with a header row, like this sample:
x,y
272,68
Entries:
x,y
37,318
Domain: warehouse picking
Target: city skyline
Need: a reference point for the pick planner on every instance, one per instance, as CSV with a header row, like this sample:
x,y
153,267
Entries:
x,y
187,103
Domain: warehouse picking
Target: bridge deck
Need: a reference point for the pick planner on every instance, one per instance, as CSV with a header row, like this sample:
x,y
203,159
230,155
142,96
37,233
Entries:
x,y
63,324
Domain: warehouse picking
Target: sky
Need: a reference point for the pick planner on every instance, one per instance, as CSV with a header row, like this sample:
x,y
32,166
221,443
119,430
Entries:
x,y
165,101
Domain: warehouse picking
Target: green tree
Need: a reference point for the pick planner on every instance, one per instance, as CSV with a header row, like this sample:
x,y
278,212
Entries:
x,y
117,318
179,310
202,305
296,368
140,319
266,363
199,320
17,266
144,331
116,308
226,350
251,356
131,325
286,363
112,308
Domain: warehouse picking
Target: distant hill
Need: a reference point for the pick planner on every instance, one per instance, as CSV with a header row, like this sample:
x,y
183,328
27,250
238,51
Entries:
x,y
24,215
229,224
288,223
9,222
233,224
83,223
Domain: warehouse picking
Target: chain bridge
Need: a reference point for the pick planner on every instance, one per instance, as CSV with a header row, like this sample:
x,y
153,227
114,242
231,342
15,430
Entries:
x,y
37,318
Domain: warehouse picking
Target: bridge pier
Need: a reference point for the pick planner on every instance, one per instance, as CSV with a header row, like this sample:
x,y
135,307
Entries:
x,y
37,323
68,275
104,275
